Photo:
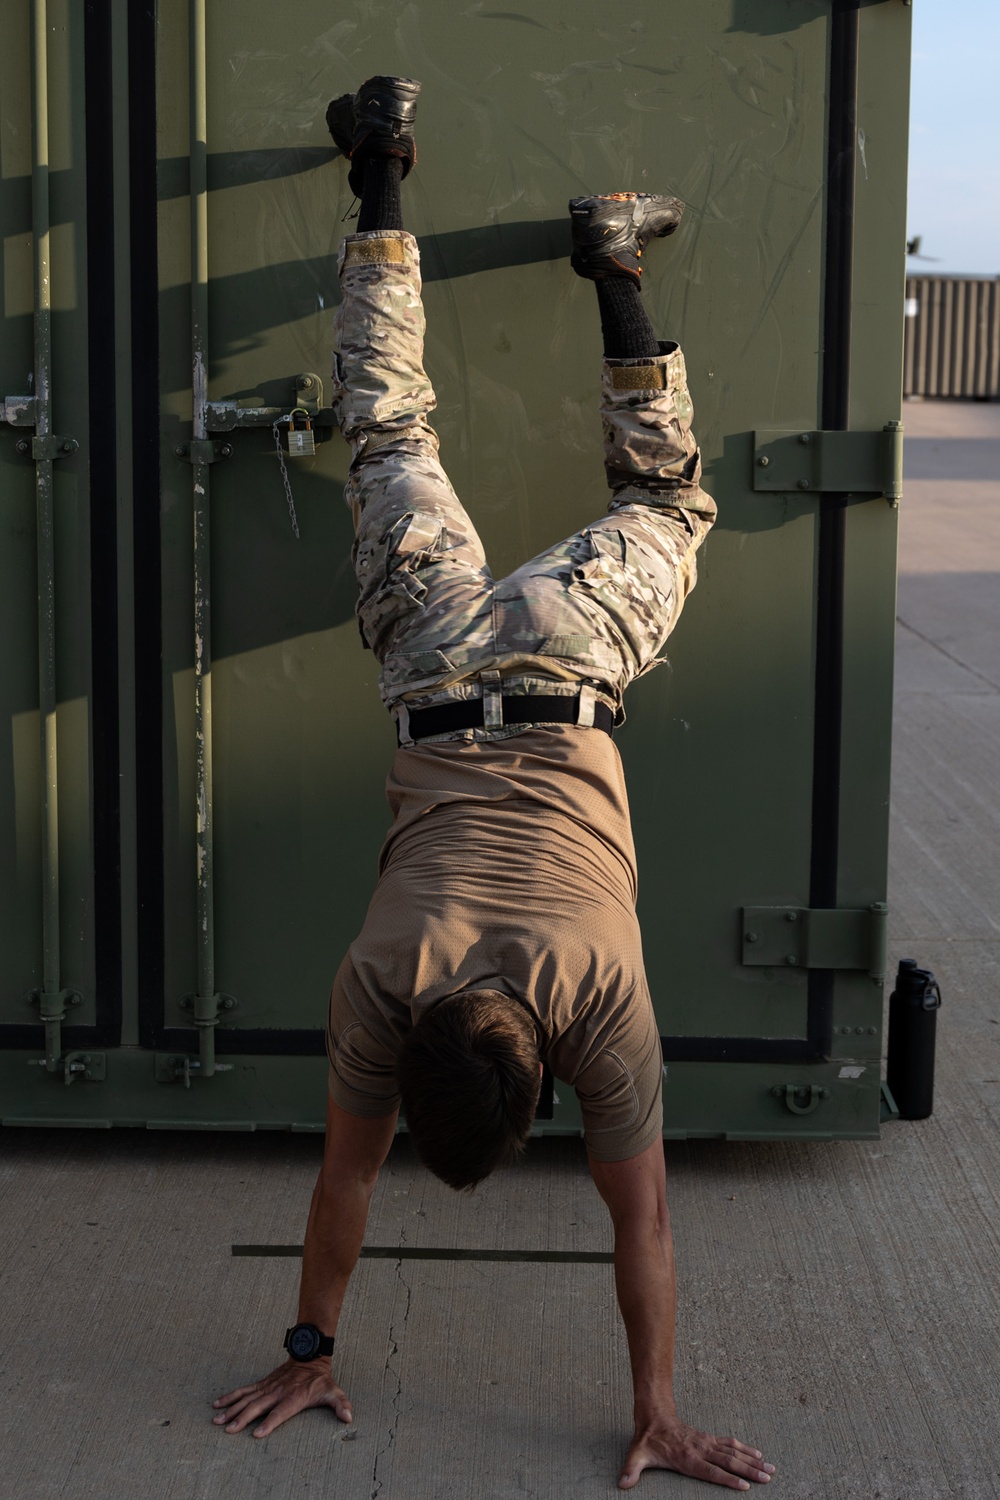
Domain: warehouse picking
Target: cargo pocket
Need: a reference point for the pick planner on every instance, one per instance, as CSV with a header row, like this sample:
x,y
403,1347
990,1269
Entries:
x,y
402,668
392,590
600,579
591,654
603,560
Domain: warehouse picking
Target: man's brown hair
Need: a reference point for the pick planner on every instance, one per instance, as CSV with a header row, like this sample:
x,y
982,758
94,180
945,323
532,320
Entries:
x,y
469,1077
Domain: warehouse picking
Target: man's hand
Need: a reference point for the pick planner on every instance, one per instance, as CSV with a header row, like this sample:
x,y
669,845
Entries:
x,y
677,1446
291,1388
354,1151
636,1194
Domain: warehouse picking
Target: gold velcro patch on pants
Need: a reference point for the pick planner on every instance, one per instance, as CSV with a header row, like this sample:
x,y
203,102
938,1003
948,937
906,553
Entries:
x,y
375,253
638,377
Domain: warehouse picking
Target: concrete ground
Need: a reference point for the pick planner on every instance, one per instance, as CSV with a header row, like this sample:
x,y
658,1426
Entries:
x,y
839,1303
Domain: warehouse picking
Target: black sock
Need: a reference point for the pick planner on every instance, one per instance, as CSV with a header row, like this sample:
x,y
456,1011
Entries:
x,y
628,333
381,201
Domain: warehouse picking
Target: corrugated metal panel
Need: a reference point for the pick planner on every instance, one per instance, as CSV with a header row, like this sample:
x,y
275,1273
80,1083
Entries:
x,y
952,337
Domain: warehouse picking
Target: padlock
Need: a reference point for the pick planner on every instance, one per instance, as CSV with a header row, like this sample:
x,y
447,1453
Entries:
x,y
301,440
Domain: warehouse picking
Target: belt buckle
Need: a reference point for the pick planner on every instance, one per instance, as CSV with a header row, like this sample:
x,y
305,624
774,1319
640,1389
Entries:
x,y
492,699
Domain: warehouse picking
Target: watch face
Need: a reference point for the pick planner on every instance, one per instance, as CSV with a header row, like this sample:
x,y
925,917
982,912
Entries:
x,y
304,1341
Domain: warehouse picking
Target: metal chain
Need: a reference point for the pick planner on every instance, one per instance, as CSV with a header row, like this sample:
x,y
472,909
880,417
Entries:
x,y
284,476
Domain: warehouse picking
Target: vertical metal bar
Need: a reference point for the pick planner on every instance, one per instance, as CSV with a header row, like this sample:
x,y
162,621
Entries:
x,y
842,137
52,1006
928,314
932,362
205,1000
983,340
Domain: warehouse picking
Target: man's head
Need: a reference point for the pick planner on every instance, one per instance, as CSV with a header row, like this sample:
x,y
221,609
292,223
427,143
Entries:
x,y
469,1076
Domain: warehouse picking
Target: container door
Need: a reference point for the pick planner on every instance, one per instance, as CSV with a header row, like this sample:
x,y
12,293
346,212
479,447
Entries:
x,y
757,757
735,750
60,999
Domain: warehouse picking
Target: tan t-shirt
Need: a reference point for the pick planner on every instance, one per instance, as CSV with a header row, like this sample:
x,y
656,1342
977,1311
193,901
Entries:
x,y
510,866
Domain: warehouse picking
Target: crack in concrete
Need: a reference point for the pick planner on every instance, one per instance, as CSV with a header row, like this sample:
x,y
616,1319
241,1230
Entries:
x,y
928,640
391,1370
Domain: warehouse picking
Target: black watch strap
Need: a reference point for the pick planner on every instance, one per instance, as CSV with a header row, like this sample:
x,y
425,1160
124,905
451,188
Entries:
x,y
305,1341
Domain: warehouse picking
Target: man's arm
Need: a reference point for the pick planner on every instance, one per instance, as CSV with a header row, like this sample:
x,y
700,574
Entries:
x,y
355,1150
636,1194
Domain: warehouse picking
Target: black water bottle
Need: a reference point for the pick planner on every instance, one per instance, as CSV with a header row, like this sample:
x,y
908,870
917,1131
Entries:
x,y
913,1008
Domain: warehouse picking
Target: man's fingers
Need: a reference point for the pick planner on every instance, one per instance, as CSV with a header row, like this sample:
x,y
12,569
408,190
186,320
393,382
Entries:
x,y
290,1407
283,1394
248,1412
342,1407
233,1410
737,1447
696,1469
722,1461
231,1396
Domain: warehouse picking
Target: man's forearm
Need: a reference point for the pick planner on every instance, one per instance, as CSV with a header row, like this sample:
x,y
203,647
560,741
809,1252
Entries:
x,y
647,1297
635,1192
354,1152
334,1235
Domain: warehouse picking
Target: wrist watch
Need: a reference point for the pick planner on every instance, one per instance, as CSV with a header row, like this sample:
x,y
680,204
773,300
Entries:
x,y
305,1342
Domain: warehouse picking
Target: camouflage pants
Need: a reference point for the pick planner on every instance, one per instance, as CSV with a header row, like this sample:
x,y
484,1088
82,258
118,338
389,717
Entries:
x,y
583,618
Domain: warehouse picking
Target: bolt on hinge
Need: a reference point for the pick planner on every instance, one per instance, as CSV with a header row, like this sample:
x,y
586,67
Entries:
x,y
62,997
222,1002
204,451
48,447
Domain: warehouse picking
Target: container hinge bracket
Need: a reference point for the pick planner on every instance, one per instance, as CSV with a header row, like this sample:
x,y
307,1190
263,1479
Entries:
x,y
204,451
50,447
852,463
47,448
78,1067
799,937
85,1067
177,1067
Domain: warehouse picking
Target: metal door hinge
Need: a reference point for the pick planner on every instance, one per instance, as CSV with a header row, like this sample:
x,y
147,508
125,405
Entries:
x,y
800,937
852,463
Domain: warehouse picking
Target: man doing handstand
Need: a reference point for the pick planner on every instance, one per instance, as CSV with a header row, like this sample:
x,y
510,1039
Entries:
x,y
502,933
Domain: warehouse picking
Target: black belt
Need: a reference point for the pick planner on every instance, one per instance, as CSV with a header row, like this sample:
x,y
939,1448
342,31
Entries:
x,y
517,708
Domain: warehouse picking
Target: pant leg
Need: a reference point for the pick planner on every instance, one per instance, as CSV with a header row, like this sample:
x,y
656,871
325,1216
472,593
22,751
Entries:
x,y
607,598
425,589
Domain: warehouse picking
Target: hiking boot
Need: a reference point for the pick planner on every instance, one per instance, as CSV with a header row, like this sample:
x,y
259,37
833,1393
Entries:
x,y
611,230
378,118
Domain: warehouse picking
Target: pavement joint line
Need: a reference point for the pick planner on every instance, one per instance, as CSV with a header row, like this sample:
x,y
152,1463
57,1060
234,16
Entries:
x,y
415,1252
929,641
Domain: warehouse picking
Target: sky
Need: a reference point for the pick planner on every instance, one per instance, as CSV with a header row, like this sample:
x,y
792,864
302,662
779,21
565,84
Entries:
x,y
954,175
